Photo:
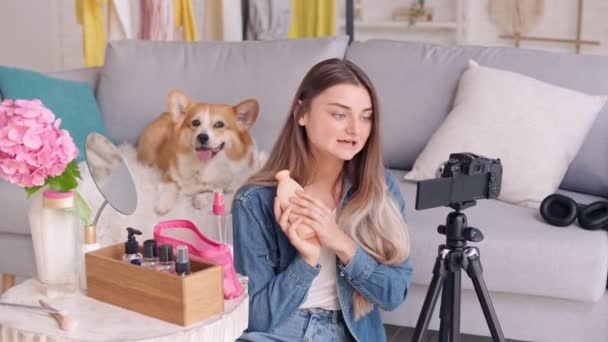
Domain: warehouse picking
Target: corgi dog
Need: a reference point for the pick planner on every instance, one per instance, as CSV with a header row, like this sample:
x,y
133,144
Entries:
x,y
199,147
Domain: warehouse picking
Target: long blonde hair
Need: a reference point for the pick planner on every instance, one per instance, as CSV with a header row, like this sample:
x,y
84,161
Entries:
x,y
371,217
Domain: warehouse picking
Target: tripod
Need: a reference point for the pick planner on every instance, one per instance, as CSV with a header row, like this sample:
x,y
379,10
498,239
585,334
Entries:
x,y
452,256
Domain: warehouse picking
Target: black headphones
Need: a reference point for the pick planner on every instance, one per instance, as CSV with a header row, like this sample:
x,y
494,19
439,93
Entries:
x,y
561,211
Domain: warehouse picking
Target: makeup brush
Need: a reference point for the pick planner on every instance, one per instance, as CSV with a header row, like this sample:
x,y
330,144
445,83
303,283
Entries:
x,y
61,316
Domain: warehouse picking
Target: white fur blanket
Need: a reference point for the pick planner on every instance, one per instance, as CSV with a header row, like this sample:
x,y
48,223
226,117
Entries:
x,y
111,227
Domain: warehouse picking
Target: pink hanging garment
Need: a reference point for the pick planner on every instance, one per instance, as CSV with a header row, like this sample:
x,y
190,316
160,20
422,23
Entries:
x,y
144,21
157,21
183,232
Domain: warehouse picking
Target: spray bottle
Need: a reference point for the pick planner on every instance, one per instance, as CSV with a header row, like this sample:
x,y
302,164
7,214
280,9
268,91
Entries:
x,y
222,220
182,261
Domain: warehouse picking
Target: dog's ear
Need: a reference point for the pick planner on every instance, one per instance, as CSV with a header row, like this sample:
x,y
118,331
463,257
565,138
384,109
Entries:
x,y
246,114
178,102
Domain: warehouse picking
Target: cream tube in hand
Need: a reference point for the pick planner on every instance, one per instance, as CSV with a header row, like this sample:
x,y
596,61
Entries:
x,y
286,188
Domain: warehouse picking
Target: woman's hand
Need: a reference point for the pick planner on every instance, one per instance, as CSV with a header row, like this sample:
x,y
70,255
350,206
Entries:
x,y
318,217
310,250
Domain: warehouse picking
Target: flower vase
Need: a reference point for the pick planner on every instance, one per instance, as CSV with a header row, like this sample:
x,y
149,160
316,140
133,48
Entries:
x,y
54,231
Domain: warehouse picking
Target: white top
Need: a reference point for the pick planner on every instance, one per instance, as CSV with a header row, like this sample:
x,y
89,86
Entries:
x,y
323,292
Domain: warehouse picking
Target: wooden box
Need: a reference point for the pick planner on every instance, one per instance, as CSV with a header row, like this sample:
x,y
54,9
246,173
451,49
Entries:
x,y
169,297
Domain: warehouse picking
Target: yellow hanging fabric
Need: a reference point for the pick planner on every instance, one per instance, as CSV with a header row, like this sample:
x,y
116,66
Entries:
x,y
312,18
89,14
184,17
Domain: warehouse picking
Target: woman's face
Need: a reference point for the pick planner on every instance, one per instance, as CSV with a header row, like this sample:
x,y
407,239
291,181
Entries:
x,y
339,121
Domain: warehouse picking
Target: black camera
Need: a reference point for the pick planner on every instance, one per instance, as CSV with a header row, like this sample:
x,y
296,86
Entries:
x,y
464,178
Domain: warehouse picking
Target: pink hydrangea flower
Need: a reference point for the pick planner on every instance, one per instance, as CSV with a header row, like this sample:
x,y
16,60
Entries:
x,y
32,146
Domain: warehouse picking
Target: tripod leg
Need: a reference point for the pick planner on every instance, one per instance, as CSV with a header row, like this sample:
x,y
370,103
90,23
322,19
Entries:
x,y
455,309
439,275
444,310
475,271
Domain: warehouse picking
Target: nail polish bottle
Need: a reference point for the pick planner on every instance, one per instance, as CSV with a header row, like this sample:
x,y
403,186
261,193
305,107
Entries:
x,y
132,255
150,258
182,261
165,259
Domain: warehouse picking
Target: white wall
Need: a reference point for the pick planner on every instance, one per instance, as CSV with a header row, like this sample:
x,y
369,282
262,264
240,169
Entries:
x,y
27,34
381,10
43,34
558,21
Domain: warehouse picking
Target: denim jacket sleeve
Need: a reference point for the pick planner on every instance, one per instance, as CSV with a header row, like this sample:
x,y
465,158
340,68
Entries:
x,y
383,285
272,295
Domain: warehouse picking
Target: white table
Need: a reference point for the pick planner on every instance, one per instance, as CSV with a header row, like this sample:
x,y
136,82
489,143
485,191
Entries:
x,y
99,321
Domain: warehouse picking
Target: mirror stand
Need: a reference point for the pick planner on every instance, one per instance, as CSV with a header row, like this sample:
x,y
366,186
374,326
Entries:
x,y
103,205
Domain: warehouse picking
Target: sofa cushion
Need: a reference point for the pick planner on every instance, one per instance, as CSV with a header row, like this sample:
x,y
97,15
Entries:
x,y
89,75
520,253
535,128
417,82
14,203
138,75
72,101
21,249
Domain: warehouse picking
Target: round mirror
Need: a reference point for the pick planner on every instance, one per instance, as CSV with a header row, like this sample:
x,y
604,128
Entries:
x,y
110,173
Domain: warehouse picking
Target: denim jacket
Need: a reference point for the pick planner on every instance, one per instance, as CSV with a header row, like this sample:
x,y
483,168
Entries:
x,y
279,278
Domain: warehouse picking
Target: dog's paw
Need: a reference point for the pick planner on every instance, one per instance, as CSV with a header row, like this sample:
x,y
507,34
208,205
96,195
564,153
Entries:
x,y
203,200
162,207
160,211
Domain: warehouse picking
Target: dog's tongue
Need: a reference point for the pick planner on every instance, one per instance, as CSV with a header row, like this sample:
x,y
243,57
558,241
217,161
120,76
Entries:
x,y
204,155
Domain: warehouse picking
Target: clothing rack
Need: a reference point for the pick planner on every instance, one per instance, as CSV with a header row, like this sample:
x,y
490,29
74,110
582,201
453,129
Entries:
x,y
245,13
350,20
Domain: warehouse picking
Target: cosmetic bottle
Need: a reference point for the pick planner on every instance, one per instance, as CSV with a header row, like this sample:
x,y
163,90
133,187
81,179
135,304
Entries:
x,y
165,259
55,230
89,244
182,261
132,255
150,258
223,221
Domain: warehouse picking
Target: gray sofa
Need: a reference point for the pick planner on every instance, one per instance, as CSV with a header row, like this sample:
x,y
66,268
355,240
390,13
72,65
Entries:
x,y
546,283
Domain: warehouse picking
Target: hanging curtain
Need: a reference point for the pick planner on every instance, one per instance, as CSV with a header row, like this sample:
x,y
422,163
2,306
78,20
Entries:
x,y
157,20
312,18
167,20
222,20
212,20
232,20
89,14
184,18
119,20
268,19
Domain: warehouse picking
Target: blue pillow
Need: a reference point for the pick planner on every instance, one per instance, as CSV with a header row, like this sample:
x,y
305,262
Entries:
x,y
71,101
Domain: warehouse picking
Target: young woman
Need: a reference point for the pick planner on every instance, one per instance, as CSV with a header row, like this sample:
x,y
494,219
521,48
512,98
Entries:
x,y
329,288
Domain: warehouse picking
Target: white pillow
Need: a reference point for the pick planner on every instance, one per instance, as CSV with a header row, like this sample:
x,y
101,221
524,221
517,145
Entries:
x,y
535,128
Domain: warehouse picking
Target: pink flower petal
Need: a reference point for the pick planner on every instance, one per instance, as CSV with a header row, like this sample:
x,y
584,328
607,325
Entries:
x,y
31,140
6,102
38,179
32,144
16,134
